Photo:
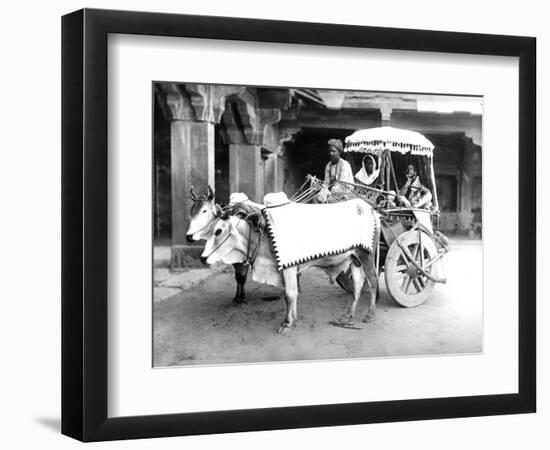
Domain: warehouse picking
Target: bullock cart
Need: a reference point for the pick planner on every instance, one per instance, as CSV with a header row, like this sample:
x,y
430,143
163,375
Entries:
x,y
411,250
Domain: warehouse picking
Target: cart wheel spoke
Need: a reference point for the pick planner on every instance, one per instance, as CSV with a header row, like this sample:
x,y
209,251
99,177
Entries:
x,y
400,275
401,268
421,246
406,280
422,282
402,258
416,252
409,281
417,285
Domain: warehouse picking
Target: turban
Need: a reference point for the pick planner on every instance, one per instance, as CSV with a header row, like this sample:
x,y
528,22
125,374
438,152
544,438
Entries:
x,y
336,144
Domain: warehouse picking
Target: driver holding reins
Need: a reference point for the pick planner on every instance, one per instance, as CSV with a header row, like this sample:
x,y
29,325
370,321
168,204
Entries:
x,y
337,169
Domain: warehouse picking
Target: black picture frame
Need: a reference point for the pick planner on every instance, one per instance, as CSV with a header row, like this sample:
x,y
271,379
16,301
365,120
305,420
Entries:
x,y
84,224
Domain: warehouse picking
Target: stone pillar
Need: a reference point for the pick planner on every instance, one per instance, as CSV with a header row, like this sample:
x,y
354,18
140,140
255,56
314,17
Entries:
x,y
194,109
274,174
192,152
465,215
246,170
251,132
385,114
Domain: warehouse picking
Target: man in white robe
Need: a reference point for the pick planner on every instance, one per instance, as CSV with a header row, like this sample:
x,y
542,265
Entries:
x,y
337,169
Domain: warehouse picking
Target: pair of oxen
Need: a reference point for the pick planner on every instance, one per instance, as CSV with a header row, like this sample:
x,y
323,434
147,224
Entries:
x,y
236,235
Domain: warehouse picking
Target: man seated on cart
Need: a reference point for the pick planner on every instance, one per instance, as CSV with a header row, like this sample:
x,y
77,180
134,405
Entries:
x,y
413,194
337,169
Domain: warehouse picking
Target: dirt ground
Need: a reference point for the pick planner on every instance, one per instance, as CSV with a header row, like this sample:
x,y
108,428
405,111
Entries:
x,y
202,326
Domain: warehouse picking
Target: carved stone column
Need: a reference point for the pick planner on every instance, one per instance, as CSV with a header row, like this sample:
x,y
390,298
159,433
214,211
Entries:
x,y
274,173
194,110
192,151
246,170
253,135
465,215
385,114
284,178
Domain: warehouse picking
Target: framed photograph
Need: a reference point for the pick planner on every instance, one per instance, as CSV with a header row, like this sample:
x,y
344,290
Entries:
x,y
273,225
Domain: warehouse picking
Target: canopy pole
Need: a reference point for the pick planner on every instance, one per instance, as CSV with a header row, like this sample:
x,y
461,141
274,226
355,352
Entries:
x,y
434,187
387,152
393,173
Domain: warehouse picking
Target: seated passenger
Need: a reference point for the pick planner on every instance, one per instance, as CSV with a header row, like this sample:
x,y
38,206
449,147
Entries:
x,y
369,171
413,194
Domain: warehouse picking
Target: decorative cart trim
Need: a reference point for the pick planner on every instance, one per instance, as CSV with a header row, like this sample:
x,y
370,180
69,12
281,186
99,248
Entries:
x,y
319,254
376,140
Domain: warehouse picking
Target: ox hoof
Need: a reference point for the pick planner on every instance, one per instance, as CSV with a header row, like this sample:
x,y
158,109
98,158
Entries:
x,y
369,319
346,319
284,328
239,302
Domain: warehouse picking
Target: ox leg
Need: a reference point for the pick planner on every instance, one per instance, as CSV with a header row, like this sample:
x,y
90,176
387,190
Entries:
x,y
241,272
291,298
358,277
372,280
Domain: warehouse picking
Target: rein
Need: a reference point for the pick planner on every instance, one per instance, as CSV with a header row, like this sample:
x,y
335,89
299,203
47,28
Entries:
x,y
220,244
209,224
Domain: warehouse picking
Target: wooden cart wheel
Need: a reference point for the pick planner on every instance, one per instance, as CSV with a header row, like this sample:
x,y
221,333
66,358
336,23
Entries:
x,y
406,285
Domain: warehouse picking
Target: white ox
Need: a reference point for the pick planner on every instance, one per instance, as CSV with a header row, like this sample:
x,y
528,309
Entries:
x,y
202,216
239,236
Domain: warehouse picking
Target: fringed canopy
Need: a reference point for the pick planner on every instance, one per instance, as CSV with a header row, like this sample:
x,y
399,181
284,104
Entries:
x,y
375,140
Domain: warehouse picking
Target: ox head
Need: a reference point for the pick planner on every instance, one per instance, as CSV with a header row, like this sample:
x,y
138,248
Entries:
x,y
202,215
225,243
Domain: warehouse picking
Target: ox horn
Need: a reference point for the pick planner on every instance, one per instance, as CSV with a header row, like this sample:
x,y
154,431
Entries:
x,y
192,194
210,193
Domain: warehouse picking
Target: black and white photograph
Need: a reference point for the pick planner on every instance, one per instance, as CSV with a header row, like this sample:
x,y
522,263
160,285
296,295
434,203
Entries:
x,y
301,224
275,225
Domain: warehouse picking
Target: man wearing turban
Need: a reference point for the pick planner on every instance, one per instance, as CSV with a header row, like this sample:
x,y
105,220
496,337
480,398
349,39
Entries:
x,y
337,169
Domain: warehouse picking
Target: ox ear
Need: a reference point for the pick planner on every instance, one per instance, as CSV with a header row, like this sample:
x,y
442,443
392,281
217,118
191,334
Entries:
x,y
210,194
219,210
192,194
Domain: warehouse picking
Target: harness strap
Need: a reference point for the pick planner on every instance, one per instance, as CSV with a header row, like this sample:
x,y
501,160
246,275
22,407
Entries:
x,y
251,257
209,224
219,245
